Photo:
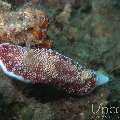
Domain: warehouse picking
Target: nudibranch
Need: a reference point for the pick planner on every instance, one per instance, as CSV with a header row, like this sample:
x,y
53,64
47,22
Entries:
x,y
46,66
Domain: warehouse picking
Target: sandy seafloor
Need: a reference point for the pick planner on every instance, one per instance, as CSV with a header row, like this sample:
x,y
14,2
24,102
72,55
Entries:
x,y
88,32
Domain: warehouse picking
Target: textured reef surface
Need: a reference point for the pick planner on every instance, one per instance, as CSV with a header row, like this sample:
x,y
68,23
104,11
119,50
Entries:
x,y
84,30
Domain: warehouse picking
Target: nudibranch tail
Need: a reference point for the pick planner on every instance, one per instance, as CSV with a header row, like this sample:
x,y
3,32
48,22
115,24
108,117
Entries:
x,y
12,74
4,68
46,66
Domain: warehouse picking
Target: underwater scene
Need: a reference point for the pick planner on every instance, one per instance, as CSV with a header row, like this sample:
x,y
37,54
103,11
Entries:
x,y
59,59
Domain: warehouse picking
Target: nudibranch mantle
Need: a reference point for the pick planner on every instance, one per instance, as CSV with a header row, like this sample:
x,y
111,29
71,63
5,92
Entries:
x,y
46,66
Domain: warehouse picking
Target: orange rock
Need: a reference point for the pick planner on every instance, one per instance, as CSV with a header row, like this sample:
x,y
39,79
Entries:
x,y
25,25
46,44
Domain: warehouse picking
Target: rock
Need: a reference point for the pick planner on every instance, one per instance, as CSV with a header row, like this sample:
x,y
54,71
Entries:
x,y
8,98
36,112
64,16
4,6
14,105
26,26
80,108
60,4
57,3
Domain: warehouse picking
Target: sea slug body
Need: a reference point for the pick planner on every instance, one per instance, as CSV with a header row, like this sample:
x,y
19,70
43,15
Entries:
x,y
46,66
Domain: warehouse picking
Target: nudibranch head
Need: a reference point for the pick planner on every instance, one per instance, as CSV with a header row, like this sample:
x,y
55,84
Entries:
x,y
101,79
46,66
